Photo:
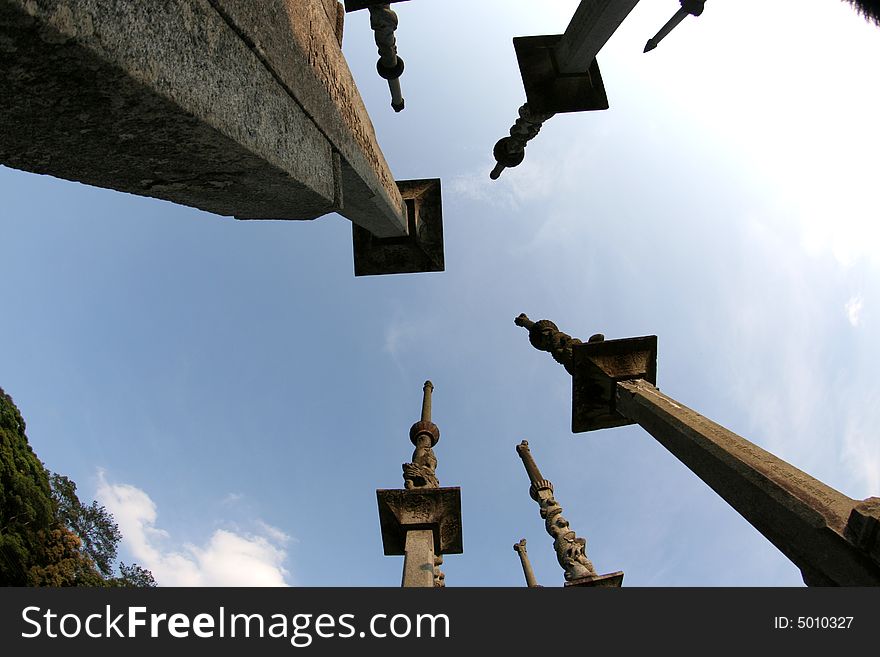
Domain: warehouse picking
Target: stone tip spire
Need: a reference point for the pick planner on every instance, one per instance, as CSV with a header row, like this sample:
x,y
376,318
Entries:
x,y
520,549
538,483
692,7
424,426
424,434
427,389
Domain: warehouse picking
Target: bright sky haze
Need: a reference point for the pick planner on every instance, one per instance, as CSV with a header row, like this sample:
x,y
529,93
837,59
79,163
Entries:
x,y
235,396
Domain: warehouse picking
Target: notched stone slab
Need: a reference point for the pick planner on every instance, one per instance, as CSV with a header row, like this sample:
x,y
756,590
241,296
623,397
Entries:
x,y
421,250
598,366
548,90
863,528
611,580
437,509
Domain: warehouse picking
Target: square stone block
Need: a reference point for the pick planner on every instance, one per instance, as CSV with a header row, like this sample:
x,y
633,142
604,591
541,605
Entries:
x,y
611,580
437,509
863,528
598,366
421,250
548,90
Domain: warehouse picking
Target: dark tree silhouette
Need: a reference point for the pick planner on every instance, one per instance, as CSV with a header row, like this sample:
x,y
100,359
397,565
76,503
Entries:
x,y
870,9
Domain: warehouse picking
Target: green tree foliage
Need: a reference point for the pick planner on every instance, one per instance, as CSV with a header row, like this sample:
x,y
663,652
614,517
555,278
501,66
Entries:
x,y
93,524
26,507
47,536
62,562
97,536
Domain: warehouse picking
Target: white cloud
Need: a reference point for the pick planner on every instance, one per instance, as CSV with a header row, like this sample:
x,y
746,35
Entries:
x,y
275,534
552,163
398,335
227,558
853,309
402,334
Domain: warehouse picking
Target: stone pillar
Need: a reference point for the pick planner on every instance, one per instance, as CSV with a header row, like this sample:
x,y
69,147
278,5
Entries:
x,y
418,560
422,521
833,539
593,23
520,549
814,525
407,519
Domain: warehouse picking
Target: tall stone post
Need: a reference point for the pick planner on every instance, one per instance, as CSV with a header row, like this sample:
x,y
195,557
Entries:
x,y
520,549
833,539
692,7
422,521
560,74
571,551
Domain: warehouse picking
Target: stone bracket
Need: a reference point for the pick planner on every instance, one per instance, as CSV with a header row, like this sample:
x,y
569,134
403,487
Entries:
x,y
598,366
421,250
357,5
611,580
549,90
437,509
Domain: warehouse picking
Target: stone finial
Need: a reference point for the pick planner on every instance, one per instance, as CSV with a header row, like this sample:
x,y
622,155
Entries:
x,y
570,550
510,151
546,336
427,389
424,426
538,482
424,434
383,22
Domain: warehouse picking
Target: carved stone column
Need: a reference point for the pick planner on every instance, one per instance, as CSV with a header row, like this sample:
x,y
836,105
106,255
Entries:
x,y
571,551
422,521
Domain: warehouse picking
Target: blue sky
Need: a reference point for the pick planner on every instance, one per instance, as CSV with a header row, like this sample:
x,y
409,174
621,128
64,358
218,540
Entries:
x,y
235,396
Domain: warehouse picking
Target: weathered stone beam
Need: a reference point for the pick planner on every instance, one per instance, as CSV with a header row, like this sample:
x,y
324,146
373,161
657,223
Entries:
x,y
238,108
299,44
593,23
828,535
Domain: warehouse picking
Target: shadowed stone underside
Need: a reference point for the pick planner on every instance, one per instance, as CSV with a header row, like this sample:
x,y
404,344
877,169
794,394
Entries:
x,y
239,108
